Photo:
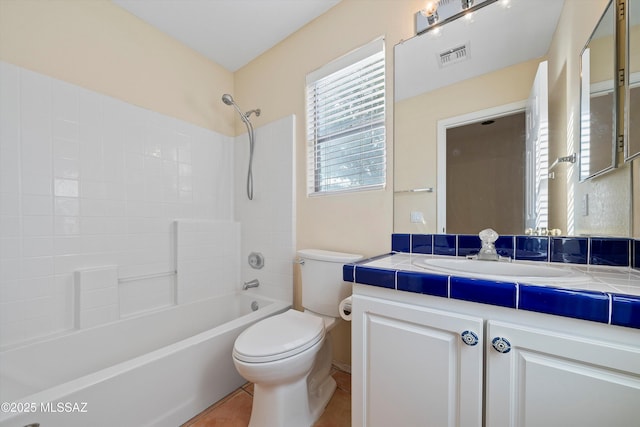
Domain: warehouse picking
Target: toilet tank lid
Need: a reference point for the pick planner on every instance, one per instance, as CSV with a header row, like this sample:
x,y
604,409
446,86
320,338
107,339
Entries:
x,y
330,256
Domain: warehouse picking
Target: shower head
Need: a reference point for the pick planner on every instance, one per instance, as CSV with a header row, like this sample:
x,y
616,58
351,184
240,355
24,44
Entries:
x,y
227,99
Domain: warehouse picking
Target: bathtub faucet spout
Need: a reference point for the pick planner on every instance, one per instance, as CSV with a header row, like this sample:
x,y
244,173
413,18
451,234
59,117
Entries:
x,y
250,284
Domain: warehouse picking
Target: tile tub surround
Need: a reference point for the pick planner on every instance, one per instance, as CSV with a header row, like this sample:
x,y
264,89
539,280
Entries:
x,y
612,296
88,181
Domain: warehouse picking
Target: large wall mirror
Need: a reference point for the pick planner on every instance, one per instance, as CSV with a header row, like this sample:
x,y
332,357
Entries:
x,y
632,96
479,71
599,99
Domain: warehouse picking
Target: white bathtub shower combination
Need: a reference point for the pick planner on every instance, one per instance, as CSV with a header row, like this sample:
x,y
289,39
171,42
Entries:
x,y
123,242
159,369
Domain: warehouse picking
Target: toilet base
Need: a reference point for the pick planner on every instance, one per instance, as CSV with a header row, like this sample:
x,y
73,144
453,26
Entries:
x,y
321,399
320,383
299,403
290,406
278,406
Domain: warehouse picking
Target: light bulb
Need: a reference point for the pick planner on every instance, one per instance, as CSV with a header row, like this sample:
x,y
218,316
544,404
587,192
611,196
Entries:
x,y
431,8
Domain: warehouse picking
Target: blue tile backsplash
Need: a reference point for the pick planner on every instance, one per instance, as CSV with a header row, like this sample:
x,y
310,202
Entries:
x,y
603,307
571,250
444,244
468,244
401,242
615,252
530,248
504,246
422,243
620,252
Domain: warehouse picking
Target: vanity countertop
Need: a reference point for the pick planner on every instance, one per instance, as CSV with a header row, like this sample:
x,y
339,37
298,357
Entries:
x,y
609,295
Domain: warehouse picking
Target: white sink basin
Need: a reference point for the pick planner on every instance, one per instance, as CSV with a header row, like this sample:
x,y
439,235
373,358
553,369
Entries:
x,y
506,271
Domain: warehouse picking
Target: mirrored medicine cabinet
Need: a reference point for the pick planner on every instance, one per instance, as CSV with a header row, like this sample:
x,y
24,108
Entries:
x,y
599,98
632,81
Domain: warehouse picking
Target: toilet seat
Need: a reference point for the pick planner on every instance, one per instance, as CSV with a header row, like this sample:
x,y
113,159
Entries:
x,y
279,337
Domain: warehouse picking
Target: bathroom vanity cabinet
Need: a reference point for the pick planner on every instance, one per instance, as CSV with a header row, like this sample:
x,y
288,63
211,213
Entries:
x,y
420,360
409,369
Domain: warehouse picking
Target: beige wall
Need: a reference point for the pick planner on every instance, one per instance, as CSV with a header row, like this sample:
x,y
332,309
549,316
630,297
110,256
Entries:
x,y
574,29
355,222
416,133
97,45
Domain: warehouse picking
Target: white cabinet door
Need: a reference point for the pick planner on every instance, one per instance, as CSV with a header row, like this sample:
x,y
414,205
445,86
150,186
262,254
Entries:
x,y
550,379
412,368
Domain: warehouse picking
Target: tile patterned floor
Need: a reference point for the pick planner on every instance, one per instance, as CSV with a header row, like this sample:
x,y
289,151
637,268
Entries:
x,y
235,409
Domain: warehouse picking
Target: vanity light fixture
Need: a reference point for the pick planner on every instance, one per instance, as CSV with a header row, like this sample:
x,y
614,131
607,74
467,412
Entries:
x,y
438,12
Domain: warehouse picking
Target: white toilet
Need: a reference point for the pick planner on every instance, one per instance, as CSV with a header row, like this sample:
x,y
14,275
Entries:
x,y
288,356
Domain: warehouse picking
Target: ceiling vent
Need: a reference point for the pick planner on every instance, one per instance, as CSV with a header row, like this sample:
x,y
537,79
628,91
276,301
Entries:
x,y
454,55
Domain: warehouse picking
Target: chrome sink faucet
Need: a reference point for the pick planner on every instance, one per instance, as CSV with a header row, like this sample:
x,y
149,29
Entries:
x,y
250,284
488,250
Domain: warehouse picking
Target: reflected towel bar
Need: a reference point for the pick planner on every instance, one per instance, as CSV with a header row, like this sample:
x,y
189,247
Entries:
x,y
416,190
566,159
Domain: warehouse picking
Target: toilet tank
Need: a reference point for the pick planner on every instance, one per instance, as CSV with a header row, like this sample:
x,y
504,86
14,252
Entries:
x,y
321,276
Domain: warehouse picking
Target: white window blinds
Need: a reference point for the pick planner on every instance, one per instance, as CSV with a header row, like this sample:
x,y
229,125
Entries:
x,y
346,122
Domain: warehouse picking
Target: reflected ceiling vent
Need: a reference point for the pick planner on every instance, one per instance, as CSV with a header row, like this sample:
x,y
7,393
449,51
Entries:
x,y
454,55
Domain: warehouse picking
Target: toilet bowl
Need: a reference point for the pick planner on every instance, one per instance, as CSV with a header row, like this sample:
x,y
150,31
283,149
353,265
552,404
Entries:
x,y
288,356
277,355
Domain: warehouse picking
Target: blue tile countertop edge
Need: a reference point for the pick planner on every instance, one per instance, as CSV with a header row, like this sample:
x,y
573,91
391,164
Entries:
x,y
602,307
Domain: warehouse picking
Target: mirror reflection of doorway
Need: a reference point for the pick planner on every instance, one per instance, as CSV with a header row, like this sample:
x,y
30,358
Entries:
x,y
485,179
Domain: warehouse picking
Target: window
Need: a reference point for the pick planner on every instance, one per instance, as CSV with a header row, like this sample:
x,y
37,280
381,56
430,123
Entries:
x,y
346,123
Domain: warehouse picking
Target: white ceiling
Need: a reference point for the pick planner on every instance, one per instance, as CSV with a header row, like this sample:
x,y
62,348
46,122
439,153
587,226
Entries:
x,y
229,32
234,32
499,35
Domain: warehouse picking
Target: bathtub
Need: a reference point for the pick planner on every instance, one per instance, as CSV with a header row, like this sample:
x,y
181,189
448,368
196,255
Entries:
x,y
159,369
